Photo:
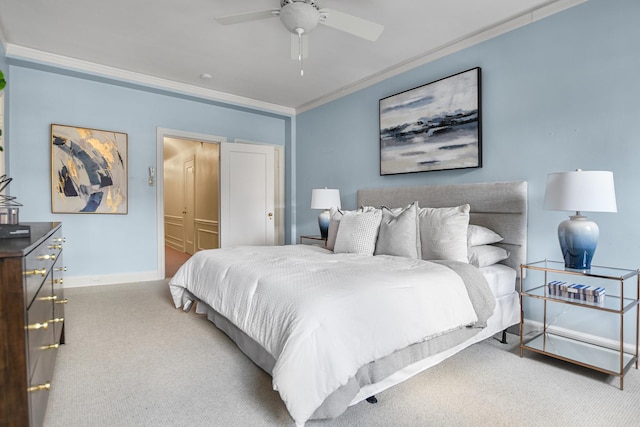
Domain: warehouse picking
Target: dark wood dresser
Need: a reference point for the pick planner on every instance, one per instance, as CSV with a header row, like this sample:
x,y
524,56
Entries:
x,y
31,322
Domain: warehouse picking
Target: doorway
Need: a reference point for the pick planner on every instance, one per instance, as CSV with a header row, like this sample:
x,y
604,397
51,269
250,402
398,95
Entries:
x,y
211,176
191,194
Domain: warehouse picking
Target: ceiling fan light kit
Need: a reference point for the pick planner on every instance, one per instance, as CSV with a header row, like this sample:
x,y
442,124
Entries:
x,y
300,17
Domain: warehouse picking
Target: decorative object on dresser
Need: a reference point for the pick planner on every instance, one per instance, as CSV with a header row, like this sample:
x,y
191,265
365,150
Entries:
x,y
88,170
10,226
433,127
579,191
325,199
31,322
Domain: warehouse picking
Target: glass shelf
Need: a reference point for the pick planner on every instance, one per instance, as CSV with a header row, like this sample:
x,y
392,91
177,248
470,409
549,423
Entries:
x,y
610,303
595,271
592,356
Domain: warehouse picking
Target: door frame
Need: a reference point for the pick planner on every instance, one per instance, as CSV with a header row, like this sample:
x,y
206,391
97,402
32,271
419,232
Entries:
x,y
162,133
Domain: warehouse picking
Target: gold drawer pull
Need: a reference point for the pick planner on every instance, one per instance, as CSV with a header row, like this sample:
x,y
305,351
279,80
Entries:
x,y
45,386
58,281
51,298
61,269
60,239
56,320
50,347
35,326
55,246
42,272
62,301
51,257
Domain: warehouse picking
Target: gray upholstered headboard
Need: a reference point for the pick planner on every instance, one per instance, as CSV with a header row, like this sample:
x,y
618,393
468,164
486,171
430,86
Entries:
x,y
500,206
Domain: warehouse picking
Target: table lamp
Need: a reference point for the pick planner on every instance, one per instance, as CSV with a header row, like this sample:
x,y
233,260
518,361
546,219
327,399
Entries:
x,y
591,191
325,199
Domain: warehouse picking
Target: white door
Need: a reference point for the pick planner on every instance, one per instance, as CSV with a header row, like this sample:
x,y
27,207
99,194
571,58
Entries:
x,y
189,206
246,195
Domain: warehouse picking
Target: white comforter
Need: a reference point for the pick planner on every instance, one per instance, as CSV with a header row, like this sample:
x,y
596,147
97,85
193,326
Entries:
x,y
323,315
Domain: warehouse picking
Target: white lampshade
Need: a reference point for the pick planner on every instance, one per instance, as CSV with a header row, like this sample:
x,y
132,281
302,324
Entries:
x,y
325,198
586,191
579,191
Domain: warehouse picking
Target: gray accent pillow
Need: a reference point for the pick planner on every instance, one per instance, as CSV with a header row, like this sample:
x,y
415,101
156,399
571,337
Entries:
x,y
334,223
358,232
399,233
443,233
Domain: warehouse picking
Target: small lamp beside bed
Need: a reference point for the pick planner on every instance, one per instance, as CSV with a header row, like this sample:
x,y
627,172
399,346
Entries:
x,y
325,199
579,191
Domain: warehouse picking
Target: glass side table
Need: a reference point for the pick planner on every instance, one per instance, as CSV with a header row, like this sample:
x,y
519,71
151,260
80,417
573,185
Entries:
x,y
609,291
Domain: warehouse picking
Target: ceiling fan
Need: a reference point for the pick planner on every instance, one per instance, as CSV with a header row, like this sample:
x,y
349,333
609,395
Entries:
x,y
300,17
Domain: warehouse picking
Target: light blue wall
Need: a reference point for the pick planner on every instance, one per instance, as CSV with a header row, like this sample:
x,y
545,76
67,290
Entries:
x,y
559,94
110,244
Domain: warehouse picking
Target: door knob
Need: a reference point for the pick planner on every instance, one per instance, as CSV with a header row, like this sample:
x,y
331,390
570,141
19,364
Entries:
x,y
270,214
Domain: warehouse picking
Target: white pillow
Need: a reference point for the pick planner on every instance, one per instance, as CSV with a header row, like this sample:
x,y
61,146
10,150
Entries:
x,y
358,232
485,255
478,235
399,233
368,209
443,233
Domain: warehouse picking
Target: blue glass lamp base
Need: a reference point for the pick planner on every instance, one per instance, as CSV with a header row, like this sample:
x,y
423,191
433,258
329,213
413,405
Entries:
x,y
323,221
578,239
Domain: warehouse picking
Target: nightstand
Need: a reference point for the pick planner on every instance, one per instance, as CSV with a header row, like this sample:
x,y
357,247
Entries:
x,y
557,300
316,240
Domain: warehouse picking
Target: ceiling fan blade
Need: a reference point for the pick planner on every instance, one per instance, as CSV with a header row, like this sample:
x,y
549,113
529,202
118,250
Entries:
x,y
351,24
295,46
247,16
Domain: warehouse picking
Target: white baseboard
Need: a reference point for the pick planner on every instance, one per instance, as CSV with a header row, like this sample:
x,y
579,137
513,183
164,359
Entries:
x,y
588,338
111,279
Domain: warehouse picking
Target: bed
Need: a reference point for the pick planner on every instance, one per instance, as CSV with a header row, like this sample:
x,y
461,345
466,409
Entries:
x,y
336,326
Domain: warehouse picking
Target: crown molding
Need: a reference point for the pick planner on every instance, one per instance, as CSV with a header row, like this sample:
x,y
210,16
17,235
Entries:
x,y
510,24
45,58
50,59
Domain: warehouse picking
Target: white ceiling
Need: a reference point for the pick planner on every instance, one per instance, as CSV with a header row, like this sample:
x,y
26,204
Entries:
x,y
170,43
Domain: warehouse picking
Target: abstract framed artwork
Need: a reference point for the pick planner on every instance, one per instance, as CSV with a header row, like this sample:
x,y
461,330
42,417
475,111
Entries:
x,y
433,127
88,170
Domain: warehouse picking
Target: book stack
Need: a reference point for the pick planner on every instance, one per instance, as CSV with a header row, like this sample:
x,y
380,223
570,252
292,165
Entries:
x,y
576,291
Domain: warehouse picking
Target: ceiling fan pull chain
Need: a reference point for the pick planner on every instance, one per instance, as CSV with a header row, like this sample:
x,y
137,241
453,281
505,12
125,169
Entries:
x,y
299,31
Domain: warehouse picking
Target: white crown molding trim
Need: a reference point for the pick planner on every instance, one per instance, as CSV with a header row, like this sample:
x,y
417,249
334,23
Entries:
x,y
477,37
67,63
45,58
3,40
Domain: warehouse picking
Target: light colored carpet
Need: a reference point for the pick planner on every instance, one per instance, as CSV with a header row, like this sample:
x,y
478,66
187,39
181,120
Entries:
x,y
132,359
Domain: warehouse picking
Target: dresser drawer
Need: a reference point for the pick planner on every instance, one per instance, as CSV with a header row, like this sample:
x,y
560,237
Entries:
x,y
38,263
39,386
59,300
40,326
